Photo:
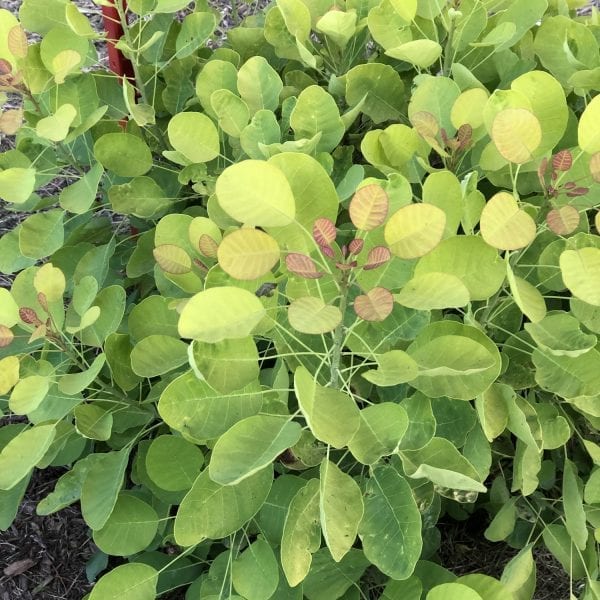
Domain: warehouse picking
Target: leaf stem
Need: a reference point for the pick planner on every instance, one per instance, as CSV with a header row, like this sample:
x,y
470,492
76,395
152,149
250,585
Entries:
x,y
338,334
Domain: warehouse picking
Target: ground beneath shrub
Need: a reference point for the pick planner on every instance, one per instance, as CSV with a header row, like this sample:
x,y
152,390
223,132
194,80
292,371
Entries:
x,y
44,558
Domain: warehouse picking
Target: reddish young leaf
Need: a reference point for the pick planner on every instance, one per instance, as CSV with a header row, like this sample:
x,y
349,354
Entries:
x,y
369,207
562,160
375,305
563,220
346,266
6,336
29,316
324,231
208,246
377,256
464,135
327,251
5,67
355,246
578,191
302,265
41,297
200,265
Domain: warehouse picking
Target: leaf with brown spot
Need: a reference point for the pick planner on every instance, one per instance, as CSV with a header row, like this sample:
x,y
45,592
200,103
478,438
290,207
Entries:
x,y
563,220
377,256
302,265
369,207
562,160
376,305
6,336
324,231
208,246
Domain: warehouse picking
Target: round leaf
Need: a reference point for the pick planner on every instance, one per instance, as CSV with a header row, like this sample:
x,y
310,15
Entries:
x,y
255,573
312,315
369,207
134,581
415,230
504,225
432,291
580,271
421,53
563,220
220,313
250,445
453,591
172,259
173,463
376,305
517,133
130,528
214,511
256,193
248,254
587,132
124,154
195,136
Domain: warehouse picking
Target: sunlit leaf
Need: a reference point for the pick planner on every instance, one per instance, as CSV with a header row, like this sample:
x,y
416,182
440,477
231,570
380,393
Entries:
x,y
369,207
378,256
375,305
504,225
312,315
415,230
563,220
248,254
580,271
517,133
172,259
302,265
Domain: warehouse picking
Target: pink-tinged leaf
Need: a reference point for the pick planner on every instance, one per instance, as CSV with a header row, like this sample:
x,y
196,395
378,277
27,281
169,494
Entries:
x,y
375,305
5,67
369,207
6,336
327,251
302,265
324,231
356,246
346,266
29,316
578,191
200,265
595,166
562,160
563,220
464,135
208,246
345,250
377,256
41,297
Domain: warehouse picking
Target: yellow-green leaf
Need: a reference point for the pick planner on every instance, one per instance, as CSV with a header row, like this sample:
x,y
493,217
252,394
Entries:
x,y
580,271
248,254
517,133
415,230
312,315
504,225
